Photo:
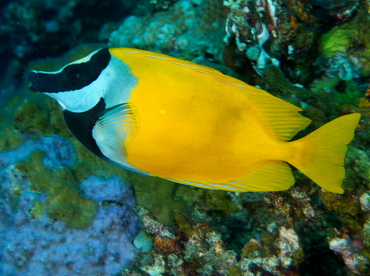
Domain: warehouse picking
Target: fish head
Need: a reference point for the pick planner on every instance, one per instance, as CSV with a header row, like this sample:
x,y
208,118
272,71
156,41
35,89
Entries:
x,y
77,86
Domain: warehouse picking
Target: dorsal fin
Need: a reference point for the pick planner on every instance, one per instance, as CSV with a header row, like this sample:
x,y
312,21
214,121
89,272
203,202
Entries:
x,y
284,118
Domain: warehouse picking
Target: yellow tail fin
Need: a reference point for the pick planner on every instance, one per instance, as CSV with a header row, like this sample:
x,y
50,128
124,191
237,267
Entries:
x,y
324,151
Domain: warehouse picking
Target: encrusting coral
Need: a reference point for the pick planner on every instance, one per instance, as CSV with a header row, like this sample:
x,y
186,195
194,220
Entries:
x,y
174,31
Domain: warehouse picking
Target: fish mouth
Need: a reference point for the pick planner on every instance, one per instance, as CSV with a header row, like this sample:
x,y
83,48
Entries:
x,y
35,82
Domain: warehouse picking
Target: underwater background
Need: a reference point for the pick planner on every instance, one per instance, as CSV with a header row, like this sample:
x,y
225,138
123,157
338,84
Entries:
x,y
64,211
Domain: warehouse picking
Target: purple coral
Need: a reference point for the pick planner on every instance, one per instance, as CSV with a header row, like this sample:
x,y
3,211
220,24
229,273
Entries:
x,y
44,247
57,149
39,246
58,152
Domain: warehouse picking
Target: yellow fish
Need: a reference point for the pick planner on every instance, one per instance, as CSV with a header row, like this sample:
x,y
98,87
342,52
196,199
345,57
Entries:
x,y
166,117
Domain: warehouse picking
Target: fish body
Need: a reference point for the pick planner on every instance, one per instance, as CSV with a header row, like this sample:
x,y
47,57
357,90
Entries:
x,y
166,117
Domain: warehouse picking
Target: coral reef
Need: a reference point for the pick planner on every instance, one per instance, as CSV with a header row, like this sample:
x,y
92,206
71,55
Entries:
x,y
345,49
285,34
176,32
351,259
144,241
269,33
40,246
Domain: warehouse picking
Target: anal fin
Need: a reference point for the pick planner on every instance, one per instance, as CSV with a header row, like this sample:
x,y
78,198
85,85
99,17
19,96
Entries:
x,y
272,176
283,117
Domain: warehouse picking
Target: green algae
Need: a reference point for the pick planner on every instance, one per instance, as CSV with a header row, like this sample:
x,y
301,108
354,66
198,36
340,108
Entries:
x,y
235,271
351,38
10,139
268,248
26,121
220,201
41,118
33,164
365,234
363,130
251,250
346,207
303,38
338,39
184,224
343,91
342,38
63,198
64,201
37,209
157,195
88,164
298,256
357,171
362,265
66,204
55,120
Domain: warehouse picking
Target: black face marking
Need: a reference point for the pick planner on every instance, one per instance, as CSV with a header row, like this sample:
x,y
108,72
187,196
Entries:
x,y
76,78
81,125
72,77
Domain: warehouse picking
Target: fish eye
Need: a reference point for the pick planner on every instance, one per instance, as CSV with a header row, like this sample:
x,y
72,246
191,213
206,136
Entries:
x,y
76,78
